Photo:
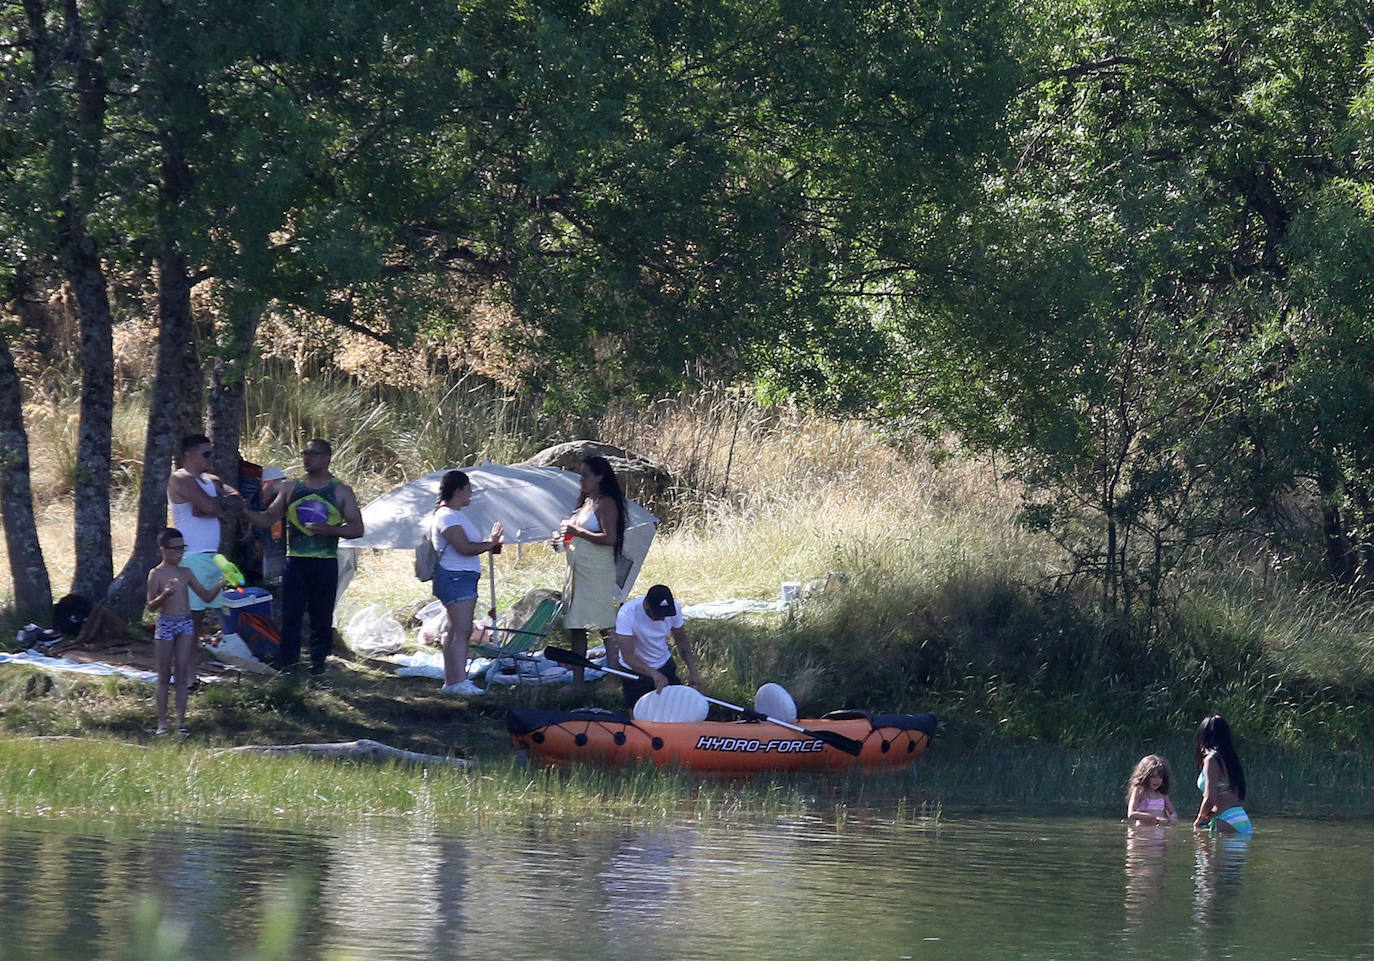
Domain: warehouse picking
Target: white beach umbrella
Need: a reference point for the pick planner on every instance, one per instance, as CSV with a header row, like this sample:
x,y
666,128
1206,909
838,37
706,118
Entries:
x,y
530,502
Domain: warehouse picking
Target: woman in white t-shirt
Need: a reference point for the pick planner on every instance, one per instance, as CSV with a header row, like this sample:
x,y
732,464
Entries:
x,y
457,541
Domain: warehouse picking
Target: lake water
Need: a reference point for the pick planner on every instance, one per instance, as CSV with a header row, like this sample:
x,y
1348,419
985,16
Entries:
x,y
972,886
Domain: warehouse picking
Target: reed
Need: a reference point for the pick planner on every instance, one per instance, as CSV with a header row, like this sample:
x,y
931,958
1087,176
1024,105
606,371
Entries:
x,y
156,936
1004,661
1092,779
383,435
75,776
111,778
52,419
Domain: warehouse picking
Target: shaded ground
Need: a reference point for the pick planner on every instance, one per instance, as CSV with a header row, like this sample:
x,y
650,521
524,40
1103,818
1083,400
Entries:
x,y
352,700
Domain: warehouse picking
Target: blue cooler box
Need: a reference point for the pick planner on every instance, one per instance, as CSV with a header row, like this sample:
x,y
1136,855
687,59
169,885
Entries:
x,y
241,600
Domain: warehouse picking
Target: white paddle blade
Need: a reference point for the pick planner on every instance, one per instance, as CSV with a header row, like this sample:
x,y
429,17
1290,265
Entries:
x,y
675,703
646,708
773,700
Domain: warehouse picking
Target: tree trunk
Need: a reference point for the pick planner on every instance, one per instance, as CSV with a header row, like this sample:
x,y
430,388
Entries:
x,y
32,589
235,348
1364,545
1340,558
229,380
94,557
1109,575
173,397
190,378
126,594
74,191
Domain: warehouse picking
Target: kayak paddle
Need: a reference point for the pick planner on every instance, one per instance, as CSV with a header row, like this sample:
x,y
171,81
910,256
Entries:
x,y
838,741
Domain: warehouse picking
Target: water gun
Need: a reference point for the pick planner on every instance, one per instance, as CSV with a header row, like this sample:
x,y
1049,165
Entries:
x,y
233,577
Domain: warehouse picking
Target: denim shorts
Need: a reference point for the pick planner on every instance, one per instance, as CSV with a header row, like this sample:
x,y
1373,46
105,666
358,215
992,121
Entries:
x,y
450,586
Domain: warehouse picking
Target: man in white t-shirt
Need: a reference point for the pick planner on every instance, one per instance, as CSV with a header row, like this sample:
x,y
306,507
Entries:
x,y
641,632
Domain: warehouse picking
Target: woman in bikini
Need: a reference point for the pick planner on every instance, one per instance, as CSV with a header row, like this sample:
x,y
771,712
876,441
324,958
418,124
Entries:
x,y
1221,778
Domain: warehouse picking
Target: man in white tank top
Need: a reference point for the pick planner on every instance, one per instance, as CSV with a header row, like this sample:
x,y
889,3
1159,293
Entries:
x,y
198,499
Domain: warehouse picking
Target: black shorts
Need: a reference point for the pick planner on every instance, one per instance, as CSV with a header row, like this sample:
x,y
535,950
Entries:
x,y
640,686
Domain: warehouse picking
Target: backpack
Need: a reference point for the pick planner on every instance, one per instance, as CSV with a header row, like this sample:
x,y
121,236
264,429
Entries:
x,y
70,613
426,557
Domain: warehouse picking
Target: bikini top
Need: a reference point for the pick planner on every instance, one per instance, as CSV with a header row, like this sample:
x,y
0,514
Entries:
x,y
1222,786
1154,805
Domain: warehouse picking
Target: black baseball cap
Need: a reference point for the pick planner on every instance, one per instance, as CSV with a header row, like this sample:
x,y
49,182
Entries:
x,y
659,602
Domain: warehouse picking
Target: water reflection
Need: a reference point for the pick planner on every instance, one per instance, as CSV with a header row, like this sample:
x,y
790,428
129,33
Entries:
x,y
395,894
646,877
1146,847
1219,869
983,886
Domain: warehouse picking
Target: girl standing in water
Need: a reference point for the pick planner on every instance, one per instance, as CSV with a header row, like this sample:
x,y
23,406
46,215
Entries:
x,y
1221,778
1148,800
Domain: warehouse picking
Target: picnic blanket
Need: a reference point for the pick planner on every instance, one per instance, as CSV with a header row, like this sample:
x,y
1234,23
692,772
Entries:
x,y
532,669
104,646
33,658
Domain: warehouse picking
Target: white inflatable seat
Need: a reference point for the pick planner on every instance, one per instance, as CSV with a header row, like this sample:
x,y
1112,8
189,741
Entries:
x,y
773,700
676,702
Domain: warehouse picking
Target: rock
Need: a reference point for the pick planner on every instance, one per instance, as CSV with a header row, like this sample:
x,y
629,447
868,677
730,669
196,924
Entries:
x,y
827,582
363,749
643,480
519,612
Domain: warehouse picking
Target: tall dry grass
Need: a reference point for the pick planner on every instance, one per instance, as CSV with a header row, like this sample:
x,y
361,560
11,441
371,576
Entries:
x,y
382,434
785,496
761,494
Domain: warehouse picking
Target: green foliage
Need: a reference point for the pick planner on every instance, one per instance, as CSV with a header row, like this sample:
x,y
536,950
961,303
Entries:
x,y
655,183
1124,246
1158,312
109,777
1000,662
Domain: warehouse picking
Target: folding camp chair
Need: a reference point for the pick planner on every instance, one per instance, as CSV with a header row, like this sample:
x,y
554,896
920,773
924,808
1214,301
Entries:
x,y
524,641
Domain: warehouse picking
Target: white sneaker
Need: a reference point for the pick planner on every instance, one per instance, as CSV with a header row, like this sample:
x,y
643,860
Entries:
x,y
462,688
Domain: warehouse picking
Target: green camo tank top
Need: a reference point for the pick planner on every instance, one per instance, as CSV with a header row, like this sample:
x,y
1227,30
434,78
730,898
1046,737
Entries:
x,y
306,506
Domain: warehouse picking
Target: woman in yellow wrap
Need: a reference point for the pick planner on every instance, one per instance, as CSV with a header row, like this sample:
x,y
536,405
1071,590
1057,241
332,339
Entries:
x,y
595,536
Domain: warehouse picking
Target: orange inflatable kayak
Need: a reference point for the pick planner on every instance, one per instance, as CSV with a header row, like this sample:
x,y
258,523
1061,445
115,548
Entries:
x,y
721,747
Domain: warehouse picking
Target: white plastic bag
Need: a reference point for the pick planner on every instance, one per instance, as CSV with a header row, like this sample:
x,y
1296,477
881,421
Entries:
x,y
230,649
433,618
432,628
429,610
373,631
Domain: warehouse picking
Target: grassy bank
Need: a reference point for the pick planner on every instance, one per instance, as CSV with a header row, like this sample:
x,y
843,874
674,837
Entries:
x,y
928,595
109,762
186,780
103,776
